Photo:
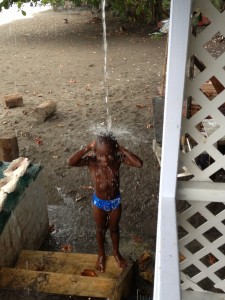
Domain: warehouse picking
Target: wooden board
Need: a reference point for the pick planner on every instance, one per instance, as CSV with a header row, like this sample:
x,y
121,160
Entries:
x,y
67,263
60,273
56,283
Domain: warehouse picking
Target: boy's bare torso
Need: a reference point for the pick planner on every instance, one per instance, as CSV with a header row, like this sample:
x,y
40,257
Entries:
x,y
105,178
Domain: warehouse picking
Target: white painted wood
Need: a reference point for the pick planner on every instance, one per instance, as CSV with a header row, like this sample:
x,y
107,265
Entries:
x,y
167,279
200,191
176,66
190,295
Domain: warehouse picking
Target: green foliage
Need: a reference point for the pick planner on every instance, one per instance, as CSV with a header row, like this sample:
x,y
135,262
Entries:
x,y
166,6
126,10
144,11
156,36
219,4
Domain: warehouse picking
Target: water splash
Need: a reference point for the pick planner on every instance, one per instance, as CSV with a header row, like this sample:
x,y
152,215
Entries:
x,y
67,200
120,133
105,45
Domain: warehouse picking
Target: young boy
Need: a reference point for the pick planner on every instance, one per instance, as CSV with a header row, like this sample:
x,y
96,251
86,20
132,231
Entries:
x,y
104,165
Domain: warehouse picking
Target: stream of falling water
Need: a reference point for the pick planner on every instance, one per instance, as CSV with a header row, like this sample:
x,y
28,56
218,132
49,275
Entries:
x,y
109,118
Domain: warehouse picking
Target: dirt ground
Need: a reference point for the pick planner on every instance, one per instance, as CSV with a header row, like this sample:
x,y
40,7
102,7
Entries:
x,y
44,58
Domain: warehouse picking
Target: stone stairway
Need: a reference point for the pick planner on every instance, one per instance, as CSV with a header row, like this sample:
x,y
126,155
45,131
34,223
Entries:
x,y
59,273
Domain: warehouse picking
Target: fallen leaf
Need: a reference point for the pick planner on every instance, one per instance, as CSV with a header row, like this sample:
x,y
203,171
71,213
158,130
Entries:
x,y
66,248
38,141
212,259
72,81
87,187
144,261
140,105
137,239
51,227
181,257
80,198
147,275
88,272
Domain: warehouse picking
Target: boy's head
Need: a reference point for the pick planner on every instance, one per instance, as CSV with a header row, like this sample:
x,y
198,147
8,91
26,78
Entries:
x,y
106,147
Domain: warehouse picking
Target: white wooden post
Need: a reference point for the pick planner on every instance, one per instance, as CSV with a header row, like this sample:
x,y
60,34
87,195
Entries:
x,y
167,278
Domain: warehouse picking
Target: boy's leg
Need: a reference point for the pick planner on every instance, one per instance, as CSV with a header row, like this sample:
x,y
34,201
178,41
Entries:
x,y
101,220
114,219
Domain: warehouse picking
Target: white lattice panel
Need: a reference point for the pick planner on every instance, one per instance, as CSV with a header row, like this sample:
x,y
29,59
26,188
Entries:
x,y
208,108
202,245
201,224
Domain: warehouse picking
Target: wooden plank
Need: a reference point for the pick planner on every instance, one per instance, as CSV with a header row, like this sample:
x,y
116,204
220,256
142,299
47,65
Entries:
x,y
190,295
67,263
200,191
123,284
55,283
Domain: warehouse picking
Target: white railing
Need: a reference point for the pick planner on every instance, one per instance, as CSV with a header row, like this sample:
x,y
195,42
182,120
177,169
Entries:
x,y
195,208
167,277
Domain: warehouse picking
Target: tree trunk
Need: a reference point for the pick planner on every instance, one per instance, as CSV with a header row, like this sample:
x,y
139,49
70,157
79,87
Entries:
x,y
9,149
157,11
45,110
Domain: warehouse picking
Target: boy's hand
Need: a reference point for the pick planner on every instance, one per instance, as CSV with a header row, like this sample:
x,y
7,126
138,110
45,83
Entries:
x,y
121,148
90,146
130,158
93,144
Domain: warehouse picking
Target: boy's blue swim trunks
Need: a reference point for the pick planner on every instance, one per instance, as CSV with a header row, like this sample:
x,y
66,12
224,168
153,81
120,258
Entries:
x,y
106,205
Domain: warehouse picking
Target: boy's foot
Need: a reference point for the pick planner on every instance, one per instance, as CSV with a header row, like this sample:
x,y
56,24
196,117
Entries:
x,y
100,264
122,263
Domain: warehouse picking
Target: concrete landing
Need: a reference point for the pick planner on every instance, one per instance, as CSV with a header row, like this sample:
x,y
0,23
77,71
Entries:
x,y
60,274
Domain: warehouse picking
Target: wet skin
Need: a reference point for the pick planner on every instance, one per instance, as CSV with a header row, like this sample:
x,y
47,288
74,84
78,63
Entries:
x,y
104,165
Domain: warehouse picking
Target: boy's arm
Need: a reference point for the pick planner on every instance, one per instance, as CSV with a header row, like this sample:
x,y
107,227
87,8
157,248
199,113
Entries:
x,y
78,159
130,158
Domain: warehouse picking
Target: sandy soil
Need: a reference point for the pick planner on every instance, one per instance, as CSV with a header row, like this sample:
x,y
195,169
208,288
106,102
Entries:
x,y
43,58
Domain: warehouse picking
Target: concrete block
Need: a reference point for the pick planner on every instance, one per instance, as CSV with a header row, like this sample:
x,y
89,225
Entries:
x,y
27,225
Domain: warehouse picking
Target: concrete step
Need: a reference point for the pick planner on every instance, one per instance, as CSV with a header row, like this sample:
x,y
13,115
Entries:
x,y
60,273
